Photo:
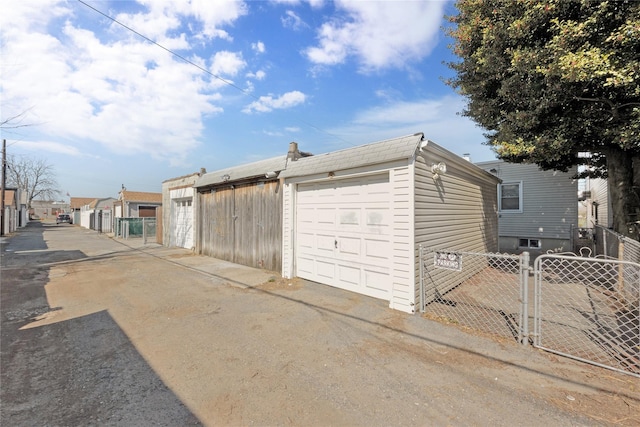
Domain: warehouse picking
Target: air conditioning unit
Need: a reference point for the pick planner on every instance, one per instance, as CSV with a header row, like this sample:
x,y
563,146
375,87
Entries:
x,y
584,195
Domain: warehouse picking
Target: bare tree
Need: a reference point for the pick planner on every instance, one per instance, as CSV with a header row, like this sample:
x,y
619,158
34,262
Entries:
x,y
35,177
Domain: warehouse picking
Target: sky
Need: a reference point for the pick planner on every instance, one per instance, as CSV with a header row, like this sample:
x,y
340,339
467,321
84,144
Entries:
x,y
133,93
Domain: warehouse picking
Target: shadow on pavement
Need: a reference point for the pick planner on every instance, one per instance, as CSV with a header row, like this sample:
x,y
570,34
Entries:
x,y
82,371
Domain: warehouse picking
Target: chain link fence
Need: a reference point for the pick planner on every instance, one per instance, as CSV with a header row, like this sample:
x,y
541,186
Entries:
x,y
610,244
482,291
580,307
587,309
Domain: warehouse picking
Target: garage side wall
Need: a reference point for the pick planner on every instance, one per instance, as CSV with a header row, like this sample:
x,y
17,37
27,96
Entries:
x,y
456,210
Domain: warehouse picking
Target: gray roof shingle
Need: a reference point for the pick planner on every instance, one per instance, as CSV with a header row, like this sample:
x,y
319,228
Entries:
x,y
363,155
250,170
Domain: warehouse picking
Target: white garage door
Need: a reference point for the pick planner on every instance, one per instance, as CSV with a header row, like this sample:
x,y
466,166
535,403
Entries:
x,y
183,223
343,234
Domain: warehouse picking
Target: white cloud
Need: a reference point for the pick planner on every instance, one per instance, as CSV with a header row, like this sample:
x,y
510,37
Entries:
x,y
51,147
379,34
438,119
258,75
227,63
210,15
258,47
128,96
312,3
268,103
293,21
292,129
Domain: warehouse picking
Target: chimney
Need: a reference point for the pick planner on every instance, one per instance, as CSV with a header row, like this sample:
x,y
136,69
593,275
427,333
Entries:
x,y
203,171
293,153
467,157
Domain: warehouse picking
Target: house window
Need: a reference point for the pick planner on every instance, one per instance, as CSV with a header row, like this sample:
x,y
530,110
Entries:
x,y
510,197
530,243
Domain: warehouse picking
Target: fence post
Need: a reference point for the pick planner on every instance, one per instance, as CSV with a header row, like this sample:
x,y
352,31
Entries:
x,y
144,231
420,254
524,293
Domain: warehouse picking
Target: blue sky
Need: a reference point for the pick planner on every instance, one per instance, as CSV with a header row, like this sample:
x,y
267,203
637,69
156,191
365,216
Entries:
x,y
107,107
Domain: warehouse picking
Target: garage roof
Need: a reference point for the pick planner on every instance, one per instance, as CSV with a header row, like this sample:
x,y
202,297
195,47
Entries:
x,y
250,170
363,155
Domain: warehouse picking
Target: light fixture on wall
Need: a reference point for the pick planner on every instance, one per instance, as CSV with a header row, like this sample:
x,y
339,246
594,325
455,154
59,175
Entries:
x,y
438,169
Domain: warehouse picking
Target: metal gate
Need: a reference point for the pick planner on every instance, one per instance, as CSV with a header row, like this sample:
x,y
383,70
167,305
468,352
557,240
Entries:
x,y
584,308
483,291
587,309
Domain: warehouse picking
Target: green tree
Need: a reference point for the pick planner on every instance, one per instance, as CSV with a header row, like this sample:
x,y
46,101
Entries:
x,y
549,79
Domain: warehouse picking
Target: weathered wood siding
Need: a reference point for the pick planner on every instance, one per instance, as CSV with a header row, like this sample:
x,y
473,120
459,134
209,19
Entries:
x,y
242,224
456,211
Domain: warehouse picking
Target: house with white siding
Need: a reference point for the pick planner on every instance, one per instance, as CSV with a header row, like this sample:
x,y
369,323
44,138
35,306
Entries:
x,y
597,203
538,210
355,218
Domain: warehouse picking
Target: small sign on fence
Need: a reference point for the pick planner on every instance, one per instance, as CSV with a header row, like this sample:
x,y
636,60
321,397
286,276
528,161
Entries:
x,y
448,260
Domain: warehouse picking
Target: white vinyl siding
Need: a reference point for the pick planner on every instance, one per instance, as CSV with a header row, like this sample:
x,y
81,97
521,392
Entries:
x,y
457,211
403,286
599,197
288,229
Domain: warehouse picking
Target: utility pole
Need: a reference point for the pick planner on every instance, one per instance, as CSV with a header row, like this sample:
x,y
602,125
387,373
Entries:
x,y
4,185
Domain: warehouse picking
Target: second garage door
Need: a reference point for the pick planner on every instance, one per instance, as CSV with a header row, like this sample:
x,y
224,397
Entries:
x,y
343,234
183,223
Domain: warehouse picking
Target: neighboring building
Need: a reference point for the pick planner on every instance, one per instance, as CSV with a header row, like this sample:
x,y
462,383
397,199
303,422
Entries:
x,y
15,211
137,204
98,215
47,209
75,207
178,211
596,202
538,209
355,218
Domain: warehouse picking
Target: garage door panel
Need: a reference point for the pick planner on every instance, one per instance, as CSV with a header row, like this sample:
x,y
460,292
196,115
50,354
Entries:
x,y
376,281
325,217
325,244
182,229
350,246
349,276
350,221
305,266
349,217
378,218
326,270
306,242
377,249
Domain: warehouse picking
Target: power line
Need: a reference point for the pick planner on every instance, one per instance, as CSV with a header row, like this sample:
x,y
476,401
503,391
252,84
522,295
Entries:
x,y
227,82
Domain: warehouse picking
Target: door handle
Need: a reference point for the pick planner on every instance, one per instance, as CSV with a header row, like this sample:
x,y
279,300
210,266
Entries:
x,y
336,243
